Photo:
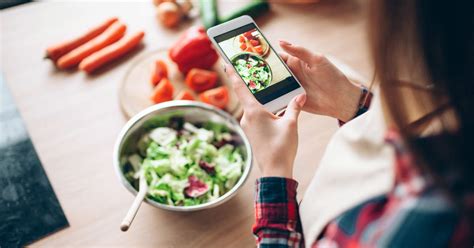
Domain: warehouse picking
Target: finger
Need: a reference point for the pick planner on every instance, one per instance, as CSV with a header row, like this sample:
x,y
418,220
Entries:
x,y
284,56
297,51
243,93
294,107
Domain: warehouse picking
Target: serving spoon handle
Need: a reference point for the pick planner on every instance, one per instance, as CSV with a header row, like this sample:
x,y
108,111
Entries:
x,y
132,212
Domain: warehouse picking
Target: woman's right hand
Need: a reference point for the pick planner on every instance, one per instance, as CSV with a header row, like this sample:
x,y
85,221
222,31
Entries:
x,y
328,91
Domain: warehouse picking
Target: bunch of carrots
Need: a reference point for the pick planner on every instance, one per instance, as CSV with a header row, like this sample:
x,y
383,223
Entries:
x,y
95,48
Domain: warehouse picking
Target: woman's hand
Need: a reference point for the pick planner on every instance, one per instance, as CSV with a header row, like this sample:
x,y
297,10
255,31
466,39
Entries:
x,y
328,91
274,139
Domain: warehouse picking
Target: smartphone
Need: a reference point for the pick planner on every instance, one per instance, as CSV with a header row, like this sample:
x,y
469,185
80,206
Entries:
x,y
242,44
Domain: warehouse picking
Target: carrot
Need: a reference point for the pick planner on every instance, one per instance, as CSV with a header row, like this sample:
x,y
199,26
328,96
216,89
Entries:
x,y
55,51
109,36
111,52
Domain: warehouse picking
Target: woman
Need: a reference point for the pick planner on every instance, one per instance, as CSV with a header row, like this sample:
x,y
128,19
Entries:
x,y
429,203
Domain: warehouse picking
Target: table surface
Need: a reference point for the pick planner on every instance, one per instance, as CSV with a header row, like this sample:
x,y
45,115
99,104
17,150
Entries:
x,y
74,119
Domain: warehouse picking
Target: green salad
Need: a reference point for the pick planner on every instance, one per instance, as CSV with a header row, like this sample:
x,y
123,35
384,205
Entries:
x,y
254,71
186,164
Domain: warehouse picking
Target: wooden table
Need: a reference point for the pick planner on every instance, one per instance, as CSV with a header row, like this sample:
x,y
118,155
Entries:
x,y
74,119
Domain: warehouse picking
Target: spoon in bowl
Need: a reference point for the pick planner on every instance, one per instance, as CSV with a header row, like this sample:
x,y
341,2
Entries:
x,y
132,212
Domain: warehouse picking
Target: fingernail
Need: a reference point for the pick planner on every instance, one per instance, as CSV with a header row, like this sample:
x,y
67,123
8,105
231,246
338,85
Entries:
x,y
285,43
301,99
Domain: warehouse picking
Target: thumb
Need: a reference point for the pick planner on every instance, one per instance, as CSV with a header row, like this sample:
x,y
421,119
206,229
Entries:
x,y
294,107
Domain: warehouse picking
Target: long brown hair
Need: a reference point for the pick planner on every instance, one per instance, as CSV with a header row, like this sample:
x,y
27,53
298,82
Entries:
x,y
423,50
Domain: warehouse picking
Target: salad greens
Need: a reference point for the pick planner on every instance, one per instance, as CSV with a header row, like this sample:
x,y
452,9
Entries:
x,y
254,71
186,164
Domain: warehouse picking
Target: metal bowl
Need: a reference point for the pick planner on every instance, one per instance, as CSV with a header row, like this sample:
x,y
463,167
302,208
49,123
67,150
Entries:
x,y
193,112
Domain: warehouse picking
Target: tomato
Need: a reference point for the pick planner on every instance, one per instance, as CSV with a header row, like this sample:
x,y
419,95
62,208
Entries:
x,y
252,85
259,49
163,91
241,39
248,34
243,47
184,95
200,80
254,42
218,97
160,71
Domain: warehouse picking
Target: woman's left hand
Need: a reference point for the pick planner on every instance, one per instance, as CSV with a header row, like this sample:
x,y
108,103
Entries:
x,y
274,139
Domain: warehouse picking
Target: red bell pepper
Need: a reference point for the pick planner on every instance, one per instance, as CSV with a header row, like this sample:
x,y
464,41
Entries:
x,y
206,62
193,50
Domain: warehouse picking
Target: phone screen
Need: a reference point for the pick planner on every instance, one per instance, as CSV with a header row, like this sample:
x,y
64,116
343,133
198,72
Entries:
x,y
256,62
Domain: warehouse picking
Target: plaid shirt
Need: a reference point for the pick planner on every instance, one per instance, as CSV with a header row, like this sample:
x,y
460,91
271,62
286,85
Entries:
x,y
413,214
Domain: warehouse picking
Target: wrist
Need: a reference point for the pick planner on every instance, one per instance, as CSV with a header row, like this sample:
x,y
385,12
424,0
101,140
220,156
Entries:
x,y
349,104
277,171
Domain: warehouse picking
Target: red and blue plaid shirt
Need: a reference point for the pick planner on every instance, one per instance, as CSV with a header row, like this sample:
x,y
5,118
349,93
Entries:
x,y
413,214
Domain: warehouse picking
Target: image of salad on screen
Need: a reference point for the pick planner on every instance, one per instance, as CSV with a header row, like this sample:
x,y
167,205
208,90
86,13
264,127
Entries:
x,y
254,71
185,163
254,60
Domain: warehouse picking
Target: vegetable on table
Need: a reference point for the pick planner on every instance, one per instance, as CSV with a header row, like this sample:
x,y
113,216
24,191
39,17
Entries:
x,y
111,52
112,34
253,9
169,14
163,92
218,97
184,95
160,71
208,12
193,50
54,52
200,80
